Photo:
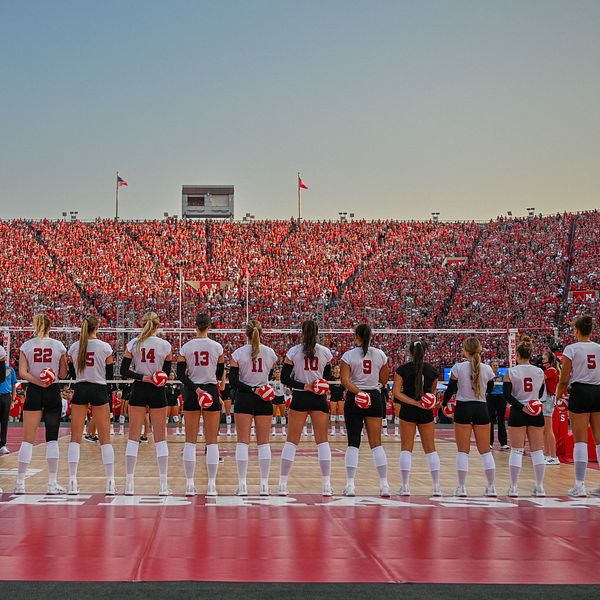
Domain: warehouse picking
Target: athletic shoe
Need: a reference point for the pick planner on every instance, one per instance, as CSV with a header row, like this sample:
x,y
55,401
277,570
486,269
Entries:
x,y
551,460
89,438
595,491
4,450
73,489
128,487
19,488
437,492
460,492
417,435
349,490
190,490
332,432
143,439
384,490
490,491
512,492
404,490
505,447
221,460
539,492
264,490
111,488
164,490
577,491
242,489
282,489
211,490
327,490
55,489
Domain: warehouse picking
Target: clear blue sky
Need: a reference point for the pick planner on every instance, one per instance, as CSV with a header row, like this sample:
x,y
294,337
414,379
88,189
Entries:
x,y
389,109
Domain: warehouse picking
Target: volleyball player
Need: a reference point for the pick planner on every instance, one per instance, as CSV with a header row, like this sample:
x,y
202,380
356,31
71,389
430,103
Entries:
x,y
336,402
364,369
411,382
92,363
471,380
551,377
200,366
278,403
581,370
304,365
523,384
226,398
150,355
172,393
249,375
43,401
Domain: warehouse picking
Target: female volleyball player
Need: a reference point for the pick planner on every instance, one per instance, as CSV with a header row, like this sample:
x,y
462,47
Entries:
x,y
41,359
305,368
551,376
151,358
523,386
363,370
92,363
581,370
172,393
411,382
249,375
471,380
226,398
200,367
336,402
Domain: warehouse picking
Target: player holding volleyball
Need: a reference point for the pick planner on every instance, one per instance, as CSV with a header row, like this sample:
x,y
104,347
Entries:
x,y
151,357
415,384
581,370
249,371
200,367
306,370
470,380
41,359
363,370
92,363
523,389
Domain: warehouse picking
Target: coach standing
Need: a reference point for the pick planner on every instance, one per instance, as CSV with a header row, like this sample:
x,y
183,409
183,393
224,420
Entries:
x,y
8,393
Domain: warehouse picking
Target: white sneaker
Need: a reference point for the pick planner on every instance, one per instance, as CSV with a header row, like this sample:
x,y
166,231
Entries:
x,y
539,492
384,490
595,491
128,487
436,491
242,489
327,490
111,488
4,450
577,491
264,490
332,431
55,489
490,491
19,488
211,490
505,447
404,490
229,432
342,431
112,430
460,492
73,489
282,489
512,492
385,433
164,490
190,489
551,460
349,490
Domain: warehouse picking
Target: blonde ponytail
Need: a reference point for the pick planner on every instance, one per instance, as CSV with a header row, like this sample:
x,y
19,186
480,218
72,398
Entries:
x,y
89,325
472,347
253,331
41,325
150,324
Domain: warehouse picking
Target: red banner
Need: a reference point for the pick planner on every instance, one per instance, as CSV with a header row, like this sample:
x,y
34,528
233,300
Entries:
x,y
584,295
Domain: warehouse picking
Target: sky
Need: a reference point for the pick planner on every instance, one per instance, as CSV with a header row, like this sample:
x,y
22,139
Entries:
x,y
390,109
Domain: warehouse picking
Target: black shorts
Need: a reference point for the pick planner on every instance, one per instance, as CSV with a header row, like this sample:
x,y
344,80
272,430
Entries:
x,y
377,408
46,399
584,398
95,394
172,399
247,403
147,394
414,414
190,398
519,418
306,401
279,400
471,413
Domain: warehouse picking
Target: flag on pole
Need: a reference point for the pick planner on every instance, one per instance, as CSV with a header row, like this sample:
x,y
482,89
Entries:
x,y
301,184
121,181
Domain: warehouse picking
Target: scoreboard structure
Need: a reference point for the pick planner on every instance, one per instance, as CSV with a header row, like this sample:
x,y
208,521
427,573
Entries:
x,y
207,201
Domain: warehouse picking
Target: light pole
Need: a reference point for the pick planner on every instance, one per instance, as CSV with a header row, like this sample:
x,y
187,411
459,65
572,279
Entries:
x,y
435,217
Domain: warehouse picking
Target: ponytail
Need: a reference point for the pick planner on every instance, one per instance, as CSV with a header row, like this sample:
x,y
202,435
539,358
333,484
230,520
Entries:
x,y
525,347
150,323
41,325
253,331
310,330
363,331
417,351
472,347
89,325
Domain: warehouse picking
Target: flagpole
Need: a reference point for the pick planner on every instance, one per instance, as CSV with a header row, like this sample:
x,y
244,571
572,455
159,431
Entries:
x,y
117,198
180,302
299,205
247,289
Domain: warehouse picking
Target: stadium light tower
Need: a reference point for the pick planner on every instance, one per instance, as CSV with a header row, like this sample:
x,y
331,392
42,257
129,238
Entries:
x,y
435,217
531,212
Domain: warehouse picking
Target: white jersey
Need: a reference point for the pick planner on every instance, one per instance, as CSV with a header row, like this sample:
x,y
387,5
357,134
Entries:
x,y
278,387
2,353
95,361
307,370
255,372
585,360
149,356
43,354
527,381
364,369
462,372
202,356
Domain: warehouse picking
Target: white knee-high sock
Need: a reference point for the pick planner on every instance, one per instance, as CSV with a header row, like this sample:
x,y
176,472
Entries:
x,y
241,460
212,461
131,453
351,460
580,458
489,465
52,456
108,460
162,459
515,462
539,467
324,453
73,458
462,467
381,464
288,454
405,466
264,462
433,460
189,461
25,453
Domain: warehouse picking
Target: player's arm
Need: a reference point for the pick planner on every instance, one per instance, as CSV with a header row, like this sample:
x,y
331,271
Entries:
x,y
565,376
507,392
397,391
345,377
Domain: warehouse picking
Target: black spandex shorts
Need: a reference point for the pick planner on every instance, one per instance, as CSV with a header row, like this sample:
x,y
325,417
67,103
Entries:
x,y
95,394
376,409
584,398
471,413
306,401
172,399
46,399
414,414
147,394
190,397
279,400
518,418
247,403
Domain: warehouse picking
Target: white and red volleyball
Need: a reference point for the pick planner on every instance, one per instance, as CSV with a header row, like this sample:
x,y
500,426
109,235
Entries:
x,y
204,398
320,386
47,376
160,378
534,407
266,392
428,401
449,409
362,400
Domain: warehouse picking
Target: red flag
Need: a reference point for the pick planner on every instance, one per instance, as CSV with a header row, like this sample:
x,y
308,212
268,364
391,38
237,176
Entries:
x,y
301,185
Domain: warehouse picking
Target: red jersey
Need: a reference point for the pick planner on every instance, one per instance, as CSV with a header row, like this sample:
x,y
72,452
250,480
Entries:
x,y
551,379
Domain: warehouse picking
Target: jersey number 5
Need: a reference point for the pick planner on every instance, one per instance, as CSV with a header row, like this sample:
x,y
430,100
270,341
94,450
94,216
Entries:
x,y
42,355
89,359
591,361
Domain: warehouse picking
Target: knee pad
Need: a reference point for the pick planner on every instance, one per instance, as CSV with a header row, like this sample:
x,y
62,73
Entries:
x,y
324,451
405,460
264,452
351,458
162,449
25,452
462,461
108,454
52,450
132,448
433,460
289,451
487,460
241,452
189,452
516,457
537,457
